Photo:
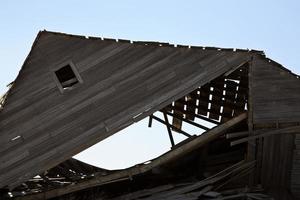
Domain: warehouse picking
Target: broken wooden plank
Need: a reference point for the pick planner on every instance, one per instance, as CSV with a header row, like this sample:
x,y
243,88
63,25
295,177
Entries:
x,y
266,133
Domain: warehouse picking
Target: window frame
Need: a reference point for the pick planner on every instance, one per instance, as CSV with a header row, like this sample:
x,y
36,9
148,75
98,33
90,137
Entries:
x,y
75,71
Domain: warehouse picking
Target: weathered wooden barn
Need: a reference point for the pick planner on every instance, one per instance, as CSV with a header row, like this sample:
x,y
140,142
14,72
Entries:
x,y
74,91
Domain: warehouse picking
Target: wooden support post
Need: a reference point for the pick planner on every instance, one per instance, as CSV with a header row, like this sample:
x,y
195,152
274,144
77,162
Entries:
x,y
251,144
169,129
150,121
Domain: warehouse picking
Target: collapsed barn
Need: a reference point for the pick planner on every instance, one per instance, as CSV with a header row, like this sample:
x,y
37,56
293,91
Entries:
x,y
74,91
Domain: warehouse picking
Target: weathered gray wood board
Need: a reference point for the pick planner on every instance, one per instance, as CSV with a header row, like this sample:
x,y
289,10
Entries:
x,y
276,93
277,161
276,102
295,174
41,127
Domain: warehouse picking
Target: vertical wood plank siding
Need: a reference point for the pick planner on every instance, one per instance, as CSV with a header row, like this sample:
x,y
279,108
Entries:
x,y
295,174
276,97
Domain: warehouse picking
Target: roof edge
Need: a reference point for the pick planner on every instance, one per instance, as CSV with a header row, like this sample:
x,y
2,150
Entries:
x,y
155,43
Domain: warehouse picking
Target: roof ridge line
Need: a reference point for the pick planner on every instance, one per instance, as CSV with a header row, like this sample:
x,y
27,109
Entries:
x,y
157,43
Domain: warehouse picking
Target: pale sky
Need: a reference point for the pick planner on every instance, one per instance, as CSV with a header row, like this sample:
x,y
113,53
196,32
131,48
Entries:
x,y
272,26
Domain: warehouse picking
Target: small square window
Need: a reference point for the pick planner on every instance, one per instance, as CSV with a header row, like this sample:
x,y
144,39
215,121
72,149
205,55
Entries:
x,y
66,76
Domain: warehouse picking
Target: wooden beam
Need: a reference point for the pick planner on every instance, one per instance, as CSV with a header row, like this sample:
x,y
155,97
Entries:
x,y
179,131
188,121
265,133
237,134
196,115
150,121
235,68
177,122
169,129
251,149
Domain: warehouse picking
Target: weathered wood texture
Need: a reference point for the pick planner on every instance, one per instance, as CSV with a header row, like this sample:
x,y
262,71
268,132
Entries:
x,y
277,161
163,160
122,83
217,101
275,97
67,173
276,93
295,175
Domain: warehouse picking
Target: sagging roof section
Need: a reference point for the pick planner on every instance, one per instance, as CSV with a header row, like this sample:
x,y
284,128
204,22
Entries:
x,y
74,91
113,73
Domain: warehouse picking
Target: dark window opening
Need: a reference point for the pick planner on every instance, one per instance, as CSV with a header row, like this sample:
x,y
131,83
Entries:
x,y
66,77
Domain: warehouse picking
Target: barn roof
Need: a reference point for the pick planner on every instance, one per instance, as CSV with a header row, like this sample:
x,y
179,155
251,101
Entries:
x,y
145,43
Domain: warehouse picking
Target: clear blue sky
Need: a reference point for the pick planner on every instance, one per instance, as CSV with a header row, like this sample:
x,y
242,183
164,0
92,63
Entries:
x,y
272,26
